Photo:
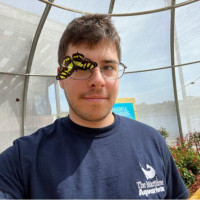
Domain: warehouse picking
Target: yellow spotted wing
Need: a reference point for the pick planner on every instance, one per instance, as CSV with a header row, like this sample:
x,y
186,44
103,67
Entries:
x,y
83,63
66,68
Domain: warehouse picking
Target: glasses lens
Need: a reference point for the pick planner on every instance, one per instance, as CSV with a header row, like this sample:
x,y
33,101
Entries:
x,y
111,71
121,70
81,74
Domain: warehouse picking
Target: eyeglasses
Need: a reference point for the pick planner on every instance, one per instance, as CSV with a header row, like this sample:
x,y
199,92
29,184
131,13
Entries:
x,y
111,71
80,68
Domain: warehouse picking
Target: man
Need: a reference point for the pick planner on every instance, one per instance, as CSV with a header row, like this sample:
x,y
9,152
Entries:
x,y
92,153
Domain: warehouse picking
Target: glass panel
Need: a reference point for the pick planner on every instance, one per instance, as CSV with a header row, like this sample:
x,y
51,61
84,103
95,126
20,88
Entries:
x,y
45,59
58,101
92,6
187,34
154,96
146,40
39,106
16,34
180,1
34,7
188,84
64,103
122,6
11,104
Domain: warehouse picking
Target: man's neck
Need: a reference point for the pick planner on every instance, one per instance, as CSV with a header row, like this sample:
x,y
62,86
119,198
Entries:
x,y
108,120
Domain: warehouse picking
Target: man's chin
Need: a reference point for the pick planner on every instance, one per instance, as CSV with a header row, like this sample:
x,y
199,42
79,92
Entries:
x,y
93,119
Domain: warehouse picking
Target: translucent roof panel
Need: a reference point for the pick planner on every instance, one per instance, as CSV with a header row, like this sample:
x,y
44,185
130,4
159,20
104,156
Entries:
x,y
180,1
122,6
92,6
188,80
39,110
188,84
45,58
148,87
16,35
61,16
145,40
11,106
154,98
33,7
187,33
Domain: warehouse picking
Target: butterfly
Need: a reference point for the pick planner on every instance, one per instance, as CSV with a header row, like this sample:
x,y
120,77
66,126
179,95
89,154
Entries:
x,y
77,62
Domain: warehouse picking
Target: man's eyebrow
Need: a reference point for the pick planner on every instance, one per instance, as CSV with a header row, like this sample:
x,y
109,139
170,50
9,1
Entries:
x,y
109,61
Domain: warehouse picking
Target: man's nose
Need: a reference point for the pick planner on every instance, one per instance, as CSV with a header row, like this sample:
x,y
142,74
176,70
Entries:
x,y
97,79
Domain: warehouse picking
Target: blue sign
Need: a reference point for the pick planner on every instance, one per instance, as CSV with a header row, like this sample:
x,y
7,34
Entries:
x,y
124,109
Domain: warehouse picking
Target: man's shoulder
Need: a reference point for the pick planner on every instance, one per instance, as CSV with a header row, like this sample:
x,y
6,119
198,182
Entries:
x,y
42,131
139,129
136,125
40,136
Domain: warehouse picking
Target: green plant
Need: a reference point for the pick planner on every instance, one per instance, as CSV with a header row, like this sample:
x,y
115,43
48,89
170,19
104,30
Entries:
x,y
164,132
194,140
187,176
187,157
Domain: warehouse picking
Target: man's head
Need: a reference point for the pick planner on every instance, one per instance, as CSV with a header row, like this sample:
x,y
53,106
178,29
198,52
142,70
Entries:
x,y
89,30
90,38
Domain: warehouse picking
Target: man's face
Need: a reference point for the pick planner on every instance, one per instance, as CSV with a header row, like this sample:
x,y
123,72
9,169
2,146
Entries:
x,y
91,100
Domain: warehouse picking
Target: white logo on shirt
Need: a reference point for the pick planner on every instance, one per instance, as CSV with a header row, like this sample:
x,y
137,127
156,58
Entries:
x,y
150,186
149,173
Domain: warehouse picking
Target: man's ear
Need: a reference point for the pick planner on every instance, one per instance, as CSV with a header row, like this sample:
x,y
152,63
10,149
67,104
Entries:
x,y
58,69
60,81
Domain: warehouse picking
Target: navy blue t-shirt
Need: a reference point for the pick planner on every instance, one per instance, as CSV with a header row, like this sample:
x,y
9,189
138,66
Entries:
x,y
126,160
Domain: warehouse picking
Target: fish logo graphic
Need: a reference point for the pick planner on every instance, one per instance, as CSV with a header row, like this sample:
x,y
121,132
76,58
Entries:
x,y
149,172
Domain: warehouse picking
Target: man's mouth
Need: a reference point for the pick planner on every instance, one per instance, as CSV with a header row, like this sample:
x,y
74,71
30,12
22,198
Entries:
x,y
95,98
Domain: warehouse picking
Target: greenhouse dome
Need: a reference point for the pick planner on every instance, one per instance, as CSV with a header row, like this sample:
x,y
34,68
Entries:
x,y
160,42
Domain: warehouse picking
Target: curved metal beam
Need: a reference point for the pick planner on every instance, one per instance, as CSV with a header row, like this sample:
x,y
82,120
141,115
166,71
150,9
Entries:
x,y
112,2
125,14
173,69
128,72
30,60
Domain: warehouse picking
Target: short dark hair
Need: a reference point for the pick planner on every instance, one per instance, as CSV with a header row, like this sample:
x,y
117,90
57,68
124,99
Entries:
x,y
89,30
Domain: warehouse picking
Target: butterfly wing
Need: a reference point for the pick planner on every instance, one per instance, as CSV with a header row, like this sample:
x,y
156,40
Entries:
x,y
66,68
89,64
78,60
83,63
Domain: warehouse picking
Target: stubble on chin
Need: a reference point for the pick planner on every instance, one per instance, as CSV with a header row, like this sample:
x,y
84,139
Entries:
x,y
91,114
80,110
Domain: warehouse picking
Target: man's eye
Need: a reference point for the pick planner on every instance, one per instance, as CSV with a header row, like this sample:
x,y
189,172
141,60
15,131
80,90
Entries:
x,y
107,68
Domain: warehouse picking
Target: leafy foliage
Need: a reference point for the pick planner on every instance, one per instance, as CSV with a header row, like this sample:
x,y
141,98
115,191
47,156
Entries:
x,y
164,132
186,153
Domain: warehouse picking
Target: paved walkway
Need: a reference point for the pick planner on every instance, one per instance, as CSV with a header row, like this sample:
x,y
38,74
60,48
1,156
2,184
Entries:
x,y
196,195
